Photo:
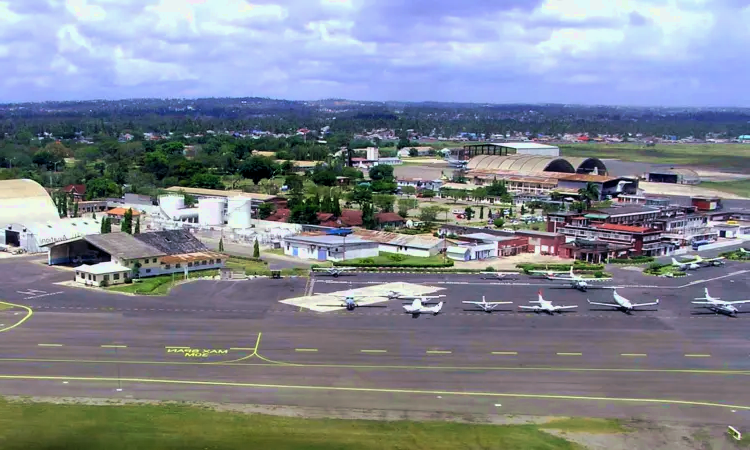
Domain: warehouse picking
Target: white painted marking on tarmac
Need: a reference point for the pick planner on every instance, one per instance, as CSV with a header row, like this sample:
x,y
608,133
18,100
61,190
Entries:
x,y
498,405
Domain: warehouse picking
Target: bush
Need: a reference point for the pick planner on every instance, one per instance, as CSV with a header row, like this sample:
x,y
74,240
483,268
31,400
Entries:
x,y
396,257
499,223
598,274
128,280
489,269
368,261
105,283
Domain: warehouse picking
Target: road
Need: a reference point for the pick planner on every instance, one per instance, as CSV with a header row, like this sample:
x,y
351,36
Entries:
x,y
233,341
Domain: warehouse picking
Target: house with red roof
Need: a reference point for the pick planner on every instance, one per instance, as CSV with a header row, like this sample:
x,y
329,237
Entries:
x,y
389,219
77,190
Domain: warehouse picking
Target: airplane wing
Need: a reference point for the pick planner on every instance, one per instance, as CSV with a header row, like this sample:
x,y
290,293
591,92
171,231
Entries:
x,y
472,303
738,302
636,305
499,303
613,305
704,303
596,279
567,307
528,307
371,306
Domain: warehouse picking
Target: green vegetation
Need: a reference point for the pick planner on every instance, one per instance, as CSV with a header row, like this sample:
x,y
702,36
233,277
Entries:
x,y
385,259
160,285
583,425
729,156
169,426
737,187
736,255
578,266
255,266
635,260
663,269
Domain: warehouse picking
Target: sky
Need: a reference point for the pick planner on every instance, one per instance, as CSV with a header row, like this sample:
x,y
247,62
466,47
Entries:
x,y
639,52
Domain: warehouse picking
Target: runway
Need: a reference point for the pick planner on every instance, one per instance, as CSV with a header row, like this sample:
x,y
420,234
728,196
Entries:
x,y
236,341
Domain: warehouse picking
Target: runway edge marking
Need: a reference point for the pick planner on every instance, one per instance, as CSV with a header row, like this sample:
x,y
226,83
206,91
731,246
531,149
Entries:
x,y
379,390
28,315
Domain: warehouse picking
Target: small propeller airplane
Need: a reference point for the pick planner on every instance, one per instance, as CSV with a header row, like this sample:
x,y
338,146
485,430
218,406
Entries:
x,y
333,271
546,306
692,265
718,305
499,275
419,306
711,261
485,305
350,302
577,281
744,252
623,304
549,273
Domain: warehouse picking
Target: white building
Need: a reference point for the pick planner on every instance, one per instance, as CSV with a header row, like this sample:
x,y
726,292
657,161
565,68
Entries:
x,y
421,246
471,252
330,248
103,274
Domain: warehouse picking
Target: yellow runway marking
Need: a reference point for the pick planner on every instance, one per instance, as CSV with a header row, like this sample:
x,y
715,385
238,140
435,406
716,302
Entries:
x,y
254,352
633,354
696,355
176,347
113,346
504,353
381,390
439,352
374,351
49,345
28,315
313,350
569,354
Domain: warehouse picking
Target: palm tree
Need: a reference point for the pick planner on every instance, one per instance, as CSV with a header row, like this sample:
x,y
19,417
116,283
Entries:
x,y
589,193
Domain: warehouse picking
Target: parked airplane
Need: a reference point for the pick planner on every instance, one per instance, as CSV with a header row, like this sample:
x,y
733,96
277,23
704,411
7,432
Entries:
x,y
717,305
485,305
333,271
419,306
623,304
547,273
692,265
499,276
577,281
350,302
744,252
711,261
546,306
457,163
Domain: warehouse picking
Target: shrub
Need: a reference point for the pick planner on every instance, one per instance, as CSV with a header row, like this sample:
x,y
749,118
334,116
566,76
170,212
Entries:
x,y
489,269
367,261
499,223
397,257
128,280
598,274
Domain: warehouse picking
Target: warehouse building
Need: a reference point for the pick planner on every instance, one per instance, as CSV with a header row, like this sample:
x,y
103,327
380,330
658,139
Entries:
x,y
144,254
29,218
675,175
330,248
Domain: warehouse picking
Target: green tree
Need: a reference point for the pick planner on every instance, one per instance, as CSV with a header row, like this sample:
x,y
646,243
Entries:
x,y
75,209
589,193
499,223
101,187
206,181
324,178
409,190
137,229
469,213
127,222
265,210
479,194
405,204
382,172
428,193
428,214
221,242
257,168
360,195
368,216
103,229
256,249
336,210
413,152
497,189
523,209
93,215
384,202
294,182
481,212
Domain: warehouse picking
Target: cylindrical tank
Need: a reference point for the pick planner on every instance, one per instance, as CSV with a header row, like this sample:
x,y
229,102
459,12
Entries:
x,y
211,211
239,211
171,203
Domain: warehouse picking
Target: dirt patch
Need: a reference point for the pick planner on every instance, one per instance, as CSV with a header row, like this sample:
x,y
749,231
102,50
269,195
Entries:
x,y
684,189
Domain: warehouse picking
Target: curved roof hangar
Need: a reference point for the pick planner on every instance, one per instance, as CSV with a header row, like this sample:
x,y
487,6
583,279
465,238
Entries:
x,y
26,202
535,164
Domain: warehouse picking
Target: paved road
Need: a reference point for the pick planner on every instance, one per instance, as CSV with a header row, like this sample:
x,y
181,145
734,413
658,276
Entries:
x,y
234,341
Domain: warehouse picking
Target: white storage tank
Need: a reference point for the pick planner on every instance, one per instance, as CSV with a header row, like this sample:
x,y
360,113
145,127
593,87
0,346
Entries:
x,y
211,211
171,203
239,212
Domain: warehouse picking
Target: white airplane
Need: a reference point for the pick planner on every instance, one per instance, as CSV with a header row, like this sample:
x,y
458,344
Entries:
x,y
576,281
623,304
457,163
350,302
717,305
545,306
395,295
711,261
547,273
744,252
485,305
499,275
333,271
692,265
419,306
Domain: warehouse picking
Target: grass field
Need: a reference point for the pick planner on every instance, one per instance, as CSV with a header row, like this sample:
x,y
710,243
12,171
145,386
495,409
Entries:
x,y
386,259
732,157
26,426
159,285
739,187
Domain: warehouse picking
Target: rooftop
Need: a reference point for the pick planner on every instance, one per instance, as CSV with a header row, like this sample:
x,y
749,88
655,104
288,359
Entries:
x,y
626,228
488,237
515,145
388,217
625,210
191,257
414,241
220,193
123,245
585,177
121,212
328,240
536,233
102,268
172,242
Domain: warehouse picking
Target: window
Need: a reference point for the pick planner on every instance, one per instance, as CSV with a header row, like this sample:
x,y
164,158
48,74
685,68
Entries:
x,y
154,260
94,277
190,264
148,270
203,263
89,277
116,276
177,266
211,261
106,277
167,266
218,261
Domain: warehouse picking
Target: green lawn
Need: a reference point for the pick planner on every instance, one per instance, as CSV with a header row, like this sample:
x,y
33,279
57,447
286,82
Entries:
x,y
385,259
159,285
726,156
26,426
738,187
253,267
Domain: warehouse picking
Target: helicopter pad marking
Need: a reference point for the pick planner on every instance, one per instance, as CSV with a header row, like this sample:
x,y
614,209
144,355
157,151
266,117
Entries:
x,y
368,295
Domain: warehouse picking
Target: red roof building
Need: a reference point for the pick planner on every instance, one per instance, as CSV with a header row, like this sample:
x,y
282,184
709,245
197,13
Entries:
x,y
280,215
78,190
385,219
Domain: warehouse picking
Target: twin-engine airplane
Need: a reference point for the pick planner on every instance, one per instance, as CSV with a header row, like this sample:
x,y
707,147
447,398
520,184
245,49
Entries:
x,y
623,304
717,305
546,306
576,281
333,271
419,306
485,305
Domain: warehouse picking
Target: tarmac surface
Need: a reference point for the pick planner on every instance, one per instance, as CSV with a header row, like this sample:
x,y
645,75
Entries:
x,y
235,341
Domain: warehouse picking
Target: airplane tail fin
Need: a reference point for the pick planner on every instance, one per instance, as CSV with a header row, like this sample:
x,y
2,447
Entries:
x,y
674,262
436,309
540,298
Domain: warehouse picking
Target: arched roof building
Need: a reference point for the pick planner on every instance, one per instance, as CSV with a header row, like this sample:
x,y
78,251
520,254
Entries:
x,y
25,201
526,164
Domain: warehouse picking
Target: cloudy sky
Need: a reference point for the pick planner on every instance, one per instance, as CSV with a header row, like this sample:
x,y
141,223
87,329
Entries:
x,y
639,52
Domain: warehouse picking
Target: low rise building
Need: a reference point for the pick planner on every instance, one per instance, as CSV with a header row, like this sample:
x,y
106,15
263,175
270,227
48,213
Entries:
x,y
116,215
329,248
412,245
472,252
542,242
627,239
389,219
102,274
420,183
